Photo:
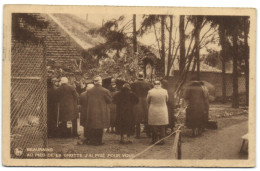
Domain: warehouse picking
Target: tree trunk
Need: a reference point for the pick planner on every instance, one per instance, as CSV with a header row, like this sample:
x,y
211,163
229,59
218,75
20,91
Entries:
x,y
235,99
182,45
170,48
222,37
134,34
163,44
246,26
198,22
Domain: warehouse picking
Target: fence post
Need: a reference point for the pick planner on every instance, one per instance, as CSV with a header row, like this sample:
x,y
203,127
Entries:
x,y
177,145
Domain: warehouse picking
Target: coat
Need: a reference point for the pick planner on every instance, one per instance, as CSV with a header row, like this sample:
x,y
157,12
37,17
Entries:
x,y
68,103
157,106
170,104
83,108
95,108
52,108
141,88
125,101
206,99
113,110
195,112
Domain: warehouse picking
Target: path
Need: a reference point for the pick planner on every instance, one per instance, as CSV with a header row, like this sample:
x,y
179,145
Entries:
x,y
216,144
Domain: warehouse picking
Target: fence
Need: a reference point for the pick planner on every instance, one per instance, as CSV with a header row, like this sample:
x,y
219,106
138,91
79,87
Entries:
x,y
28,98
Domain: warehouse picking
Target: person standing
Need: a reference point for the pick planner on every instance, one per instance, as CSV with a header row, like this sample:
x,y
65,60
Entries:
x,y
141,88
170,105
125,101
206,101
68,107
52,107
98,111
113,91
80,86
83,113
157,111
195,111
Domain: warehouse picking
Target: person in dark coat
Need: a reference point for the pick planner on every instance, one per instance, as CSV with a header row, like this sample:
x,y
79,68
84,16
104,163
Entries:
x,y
206,99
125,101
97,114
83,113
68,107
80,87
113,91
170,105
52,107
194,96
141,88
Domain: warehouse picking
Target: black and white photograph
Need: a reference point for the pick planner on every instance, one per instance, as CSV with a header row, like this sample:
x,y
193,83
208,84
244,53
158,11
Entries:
x,y
111,84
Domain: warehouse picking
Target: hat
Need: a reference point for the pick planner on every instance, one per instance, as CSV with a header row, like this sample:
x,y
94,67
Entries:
x,y
89,86
64,80
157,83
98,80
126,85
140,76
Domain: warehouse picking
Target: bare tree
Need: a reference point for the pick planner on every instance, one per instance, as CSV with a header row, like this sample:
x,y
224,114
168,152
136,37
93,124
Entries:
x,y
182,44
134,34
163,43
170,47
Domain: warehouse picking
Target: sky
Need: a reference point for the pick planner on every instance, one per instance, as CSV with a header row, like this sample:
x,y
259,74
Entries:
x,y
149,38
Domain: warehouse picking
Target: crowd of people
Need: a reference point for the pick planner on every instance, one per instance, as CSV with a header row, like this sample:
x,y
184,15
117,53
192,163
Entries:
x,y
121,111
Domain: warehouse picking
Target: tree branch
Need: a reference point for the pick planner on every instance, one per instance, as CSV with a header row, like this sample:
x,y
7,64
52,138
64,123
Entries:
x,y
157,39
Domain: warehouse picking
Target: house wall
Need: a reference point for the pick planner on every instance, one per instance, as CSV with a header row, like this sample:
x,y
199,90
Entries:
x,y
215,79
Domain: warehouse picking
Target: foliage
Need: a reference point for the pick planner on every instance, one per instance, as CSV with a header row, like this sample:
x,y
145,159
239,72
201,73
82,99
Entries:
x,y
212,57
116,39
148,22
24,23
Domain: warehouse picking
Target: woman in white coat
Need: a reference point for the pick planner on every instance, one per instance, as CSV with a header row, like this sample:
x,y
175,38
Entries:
x,y
157,111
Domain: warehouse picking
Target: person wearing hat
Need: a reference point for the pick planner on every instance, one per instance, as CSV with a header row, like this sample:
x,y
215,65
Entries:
x,y
157,111
125,101
195,111
141,88
97,111
83,113
56,82
68,107
52,107
113,91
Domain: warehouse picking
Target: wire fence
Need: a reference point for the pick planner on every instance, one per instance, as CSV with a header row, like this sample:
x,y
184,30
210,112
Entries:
x,y
28,98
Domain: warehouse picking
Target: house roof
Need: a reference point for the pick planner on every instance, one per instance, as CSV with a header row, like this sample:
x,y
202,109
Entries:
x,y
77,29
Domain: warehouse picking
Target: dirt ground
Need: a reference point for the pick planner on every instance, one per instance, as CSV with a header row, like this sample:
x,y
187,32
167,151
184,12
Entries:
x,y
223,143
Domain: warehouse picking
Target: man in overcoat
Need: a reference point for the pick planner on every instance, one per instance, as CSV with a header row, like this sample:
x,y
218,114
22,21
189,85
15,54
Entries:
x,y
141,88
157,112
206,100
195,112
52,107
83,112
125,100
97,111
68,106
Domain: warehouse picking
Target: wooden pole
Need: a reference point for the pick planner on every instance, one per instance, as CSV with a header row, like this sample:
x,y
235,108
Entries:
x,y
177,145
